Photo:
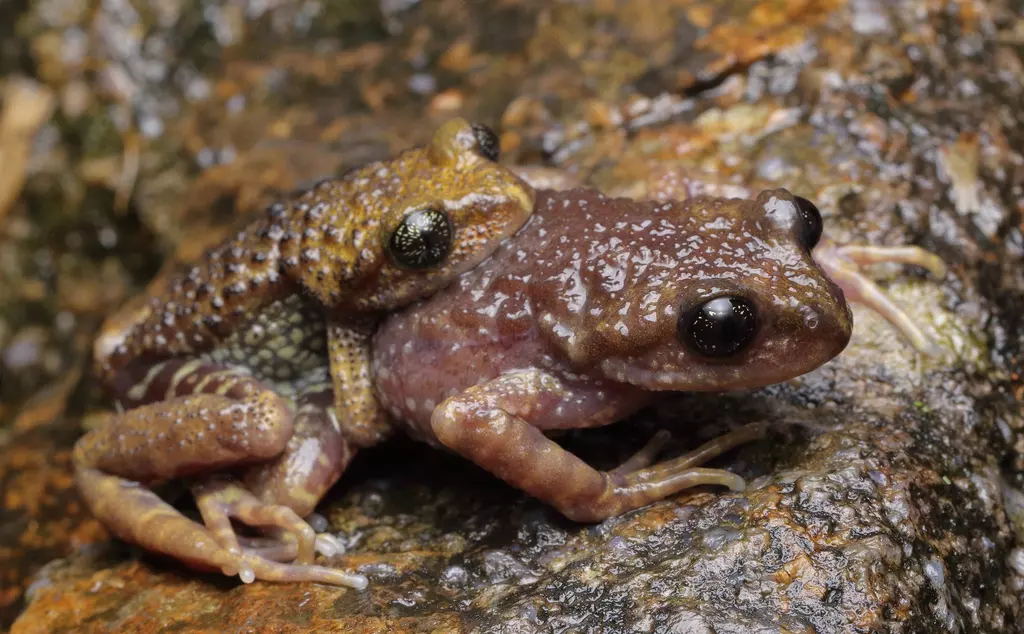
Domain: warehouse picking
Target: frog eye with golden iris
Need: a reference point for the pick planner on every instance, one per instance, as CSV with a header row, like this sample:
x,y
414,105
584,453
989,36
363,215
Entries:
x,y
422,240
720,327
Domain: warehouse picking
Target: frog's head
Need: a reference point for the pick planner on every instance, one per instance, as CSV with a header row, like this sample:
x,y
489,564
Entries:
x,y
406,227
708,294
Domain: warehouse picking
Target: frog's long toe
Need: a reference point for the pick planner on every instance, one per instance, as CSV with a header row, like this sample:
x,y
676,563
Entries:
x,y
221,500
646,455
267,570
269,548
843,263
284,549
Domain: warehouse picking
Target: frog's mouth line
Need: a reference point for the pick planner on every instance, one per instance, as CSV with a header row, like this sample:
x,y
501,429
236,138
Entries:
x,y
760,368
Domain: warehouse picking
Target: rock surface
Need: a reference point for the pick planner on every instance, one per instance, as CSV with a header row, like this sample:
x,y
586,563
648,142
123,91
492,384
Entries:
x,y
893,503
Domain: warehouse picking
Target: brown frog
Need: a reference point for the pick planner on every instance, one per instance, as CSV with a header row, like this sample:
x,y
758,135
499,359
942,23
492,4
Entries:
x,y
599,305
259,354
590,312
669,181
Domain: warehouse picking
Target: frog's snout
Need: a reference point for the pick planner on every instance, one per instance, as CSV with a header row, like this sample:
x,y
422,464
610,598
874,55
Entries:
x,y
827,325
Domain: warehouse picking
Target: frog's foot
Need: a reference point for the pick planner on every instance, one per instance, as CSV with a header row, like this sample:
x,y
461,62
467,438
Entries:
x,y
843,264
646,455
268,558
266,568
138,515
220,500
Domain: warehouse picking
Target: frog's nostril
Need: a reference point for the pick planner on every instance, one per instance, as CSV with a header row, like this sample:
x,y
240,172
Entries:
x,y
719,327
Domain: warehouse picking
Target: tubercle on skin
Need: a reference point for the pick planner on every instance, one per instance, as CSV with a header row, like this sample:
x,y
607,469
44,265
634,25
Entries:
x,y
315,268
580,321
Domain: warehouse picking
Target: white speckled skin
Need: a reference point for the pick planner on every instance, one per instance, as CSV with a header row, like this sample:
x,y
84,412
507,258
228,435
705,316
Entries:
x,y
266,337
591,290
575,322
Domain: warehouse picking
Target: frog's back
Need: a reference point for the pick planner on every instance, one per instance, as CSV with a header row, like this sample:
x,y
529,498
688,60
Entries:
x,y
594,285
204,301
380,237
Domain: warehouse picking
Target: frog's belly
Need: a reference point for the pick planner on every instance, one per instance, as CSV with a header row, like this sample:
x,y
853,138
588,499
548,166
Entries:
x,y
284,346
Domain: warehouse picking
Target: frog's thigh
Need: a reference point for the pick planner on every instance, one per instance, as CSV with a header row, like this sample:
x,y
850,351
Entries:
x,y
313,460
497,425
185,434
211,418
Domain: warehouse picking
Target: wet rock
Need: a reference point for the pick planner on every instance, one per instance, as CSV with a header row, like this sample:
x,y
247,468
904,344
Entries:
x,y
891,501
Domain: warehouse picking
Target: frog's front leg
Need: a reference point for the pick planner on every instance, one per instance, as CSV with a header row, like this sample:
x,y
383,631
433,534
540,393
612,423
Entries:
x,y
318,451
334,418
843,263
499,424
191,418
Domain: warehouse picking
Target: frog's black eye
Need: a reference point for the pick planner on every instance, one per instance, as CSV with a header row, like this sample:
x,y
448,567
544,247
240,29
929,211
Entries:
x,y
423,240
811,222
720,327
486,142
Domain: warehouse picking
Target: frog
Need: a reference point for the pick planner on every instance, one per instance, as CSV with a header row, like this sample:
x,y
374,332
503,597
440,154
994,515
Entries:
x,y
598,307
245,373
662,180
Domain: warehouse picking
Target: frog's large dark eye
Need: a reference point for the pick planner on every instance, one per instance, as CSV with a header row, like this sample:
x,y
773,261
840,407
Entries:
x,y
720,327
811,222
422,240
486,142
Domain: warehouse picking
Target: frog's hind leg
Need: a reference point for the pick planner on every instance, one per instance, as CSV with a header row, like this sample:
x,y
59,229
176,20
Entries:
x,y
277,491
210,418
189,418
315,457
335,414
333,417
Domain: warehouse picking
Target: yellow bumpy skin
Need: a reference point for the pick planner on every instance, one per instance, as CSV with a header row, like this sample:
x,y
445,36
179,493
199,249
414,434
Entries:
x,y
257,356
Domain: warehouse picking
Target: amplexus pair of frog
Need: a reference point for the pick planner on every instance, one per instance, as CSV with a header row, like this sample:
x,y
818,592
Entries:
x,y
441,294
